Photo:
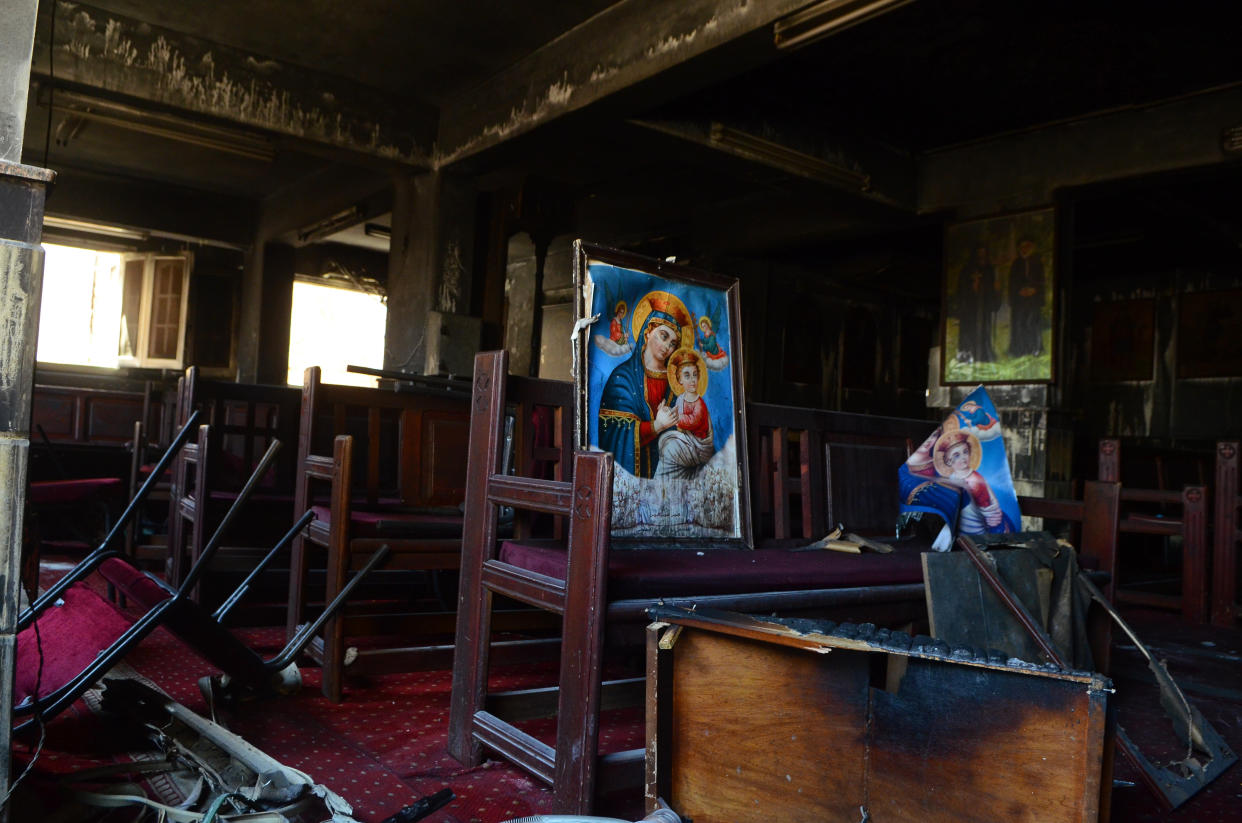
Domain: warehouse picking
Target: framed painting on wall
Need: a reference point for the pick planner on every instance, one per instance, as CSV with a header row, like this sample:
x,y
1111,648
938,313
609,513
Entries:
x,y
1208,341
997,312
658,375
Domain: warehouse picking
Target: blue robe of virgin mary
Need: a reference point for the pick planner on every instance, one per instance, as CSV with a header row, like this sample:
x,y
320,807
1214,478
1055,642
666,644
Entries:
x,y
622,407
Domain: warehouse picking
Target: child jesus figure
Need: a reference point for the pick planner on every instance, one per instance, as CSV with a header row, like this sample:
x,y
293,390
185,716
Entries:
x,y
688,445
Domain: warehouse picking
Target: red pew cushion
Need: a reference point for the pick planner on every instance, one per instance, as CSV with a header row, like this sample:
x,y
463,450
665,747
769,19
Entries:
x,y
52,492
395,523
686,572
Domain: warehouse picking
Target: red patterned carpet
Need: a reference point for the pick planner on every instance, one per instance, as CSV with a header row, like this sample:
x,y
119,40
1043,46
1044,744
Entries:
x,y
381,749
384,746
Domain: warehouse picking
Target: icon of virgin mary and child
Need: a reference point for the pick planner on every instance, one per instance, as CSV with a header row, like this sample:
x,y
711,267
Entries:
x,y
652,415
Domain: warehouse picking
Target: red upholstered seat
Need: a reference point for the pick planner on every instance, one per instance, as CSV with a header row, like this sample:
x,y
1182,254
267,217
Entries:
x,y
72,633
57,492
381,523
636,573
136,584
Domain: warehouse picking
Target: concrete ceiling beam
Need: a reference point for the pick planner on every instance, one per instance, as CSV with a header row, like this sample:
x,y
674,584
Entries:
x,y
628,43
118,60
158,209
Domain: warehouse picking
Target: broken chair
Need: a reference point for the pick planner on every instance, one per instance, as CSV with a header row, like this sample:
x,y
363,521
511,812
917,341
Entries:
x,y
88,635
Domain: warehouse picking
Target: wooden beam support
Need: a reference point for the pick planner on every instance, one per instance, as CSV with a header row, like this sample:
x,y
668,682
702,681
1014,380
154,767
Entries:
x,y
627,43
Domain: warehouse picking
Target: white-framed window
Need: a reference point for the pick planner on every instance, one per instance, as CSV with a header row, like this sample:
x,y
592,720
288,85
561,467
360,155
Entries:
x,y
109,309
155,290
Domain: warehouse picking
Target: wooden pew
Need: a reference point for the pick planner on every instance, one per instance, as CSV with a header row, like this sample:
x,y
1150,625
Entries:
x,y
812,469
80,453
594,588
1095,519
239,422
1226,537
1166,513
377,466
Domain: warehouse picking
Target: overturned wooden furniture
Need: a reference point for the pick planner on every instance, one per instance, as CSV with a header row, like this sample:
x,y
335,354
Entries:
x,y
753,719
1017,627
87,635
1166,513
376,467
594,587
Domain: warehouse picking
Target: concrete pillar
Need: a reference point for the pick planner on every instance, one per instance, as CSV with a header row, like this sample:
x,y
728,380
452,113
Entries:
x,y
431,327
16,48
520,303
556,310
249,336
275,312
22,193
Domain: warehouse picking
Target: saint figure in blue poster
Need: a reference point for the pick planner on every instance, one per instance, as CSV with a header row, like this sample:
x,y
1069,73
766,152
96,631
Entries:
x,y
961,473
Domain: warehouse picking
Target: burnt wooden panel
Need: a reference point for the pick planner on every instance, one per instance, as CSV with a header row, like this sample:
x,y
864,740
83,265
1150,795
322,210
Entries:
x,y
971,744
863,491
390,430
1213,349
765,719
1123,335
751,722
962,610
1226,536
110,419
56,412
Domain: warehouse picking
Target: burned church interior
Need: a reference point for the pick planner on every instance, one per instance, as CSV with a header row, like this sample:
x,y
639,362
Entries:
x,y
620,410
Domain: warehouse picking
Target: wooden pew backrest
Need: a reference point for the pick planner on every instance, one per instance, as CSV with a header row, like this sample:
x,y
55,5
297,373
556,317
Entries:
x,y
813,469
1165,510
244,420
1227,538
408,445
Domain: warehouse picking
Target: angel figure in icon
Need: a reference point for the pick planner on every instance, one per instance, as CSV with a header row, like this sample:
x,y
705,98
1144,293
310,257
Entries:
x,y
617,343
715,358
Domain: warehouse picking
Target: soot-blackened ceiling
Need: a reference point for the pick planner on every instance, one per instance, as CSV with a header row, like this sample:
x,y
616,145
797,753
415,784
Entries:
x,y
322,95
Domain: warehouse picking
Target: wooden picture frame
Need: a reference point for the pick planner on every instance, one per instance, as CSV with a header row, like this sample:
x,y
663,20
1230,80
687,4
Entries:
x,y
998,308
681,474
